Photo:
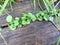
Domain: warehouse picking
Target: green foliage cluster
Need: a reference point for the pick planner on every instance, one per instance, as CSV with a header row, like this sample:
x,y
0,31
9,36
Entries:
x,y
28,18
14,23
19,22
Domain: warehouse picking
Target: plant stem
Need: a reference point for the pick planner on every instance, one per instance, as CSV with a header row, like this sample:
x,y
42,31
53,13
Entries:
x,y
54,25
6,11
40,5
3,38
34,4
46,5
3,6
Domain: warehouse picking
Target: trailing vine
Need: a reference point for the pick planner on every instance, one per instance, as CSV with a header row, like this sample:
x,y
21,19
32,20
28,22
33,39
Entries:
x,y
28,18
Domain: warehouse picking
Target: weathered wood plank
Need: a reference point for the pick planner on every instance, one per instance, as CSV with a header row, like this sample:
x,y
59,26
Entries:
x,y
42,33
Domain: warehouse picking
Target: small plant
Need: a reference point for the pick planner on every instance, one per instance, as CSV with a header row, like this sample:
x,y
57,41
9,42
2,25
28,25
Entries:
x,y
49,4
28,18
44,15
47,15
14,23
40,16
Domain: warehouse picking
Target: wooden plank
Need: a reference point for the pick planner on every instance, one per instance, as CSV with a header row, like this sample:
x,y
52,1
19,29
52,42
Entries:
x,y
42,33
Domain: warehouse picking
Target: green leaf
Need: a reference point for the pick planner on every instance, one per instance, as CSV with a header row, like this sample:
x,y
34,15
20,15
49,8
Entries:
x,y
58,11
28,21
42,13
33,18
0,28
20,25
46,17
59,14
25,15
24,23
17,18
9,18
16,22
51,18
39,17
12,27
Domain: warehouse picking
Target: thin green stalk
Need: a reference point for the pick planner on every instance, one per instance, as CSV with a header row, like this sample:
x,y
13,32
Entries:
x,y
54,25
40,5
46,5
6,11
11,5
34,4
52,8
3,6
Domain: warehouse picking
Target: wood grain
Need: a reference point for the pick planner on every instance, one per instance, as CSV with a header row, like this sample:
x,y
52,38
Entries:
x,y
36,33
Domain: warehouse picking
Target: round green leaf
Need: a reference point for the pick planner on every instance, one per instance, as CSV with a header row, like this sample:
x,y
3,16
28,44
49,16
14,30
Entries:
x,y
32,17
28,22
39,17
16,22
24,22
46,17
51,18
9,18
59,14
12,27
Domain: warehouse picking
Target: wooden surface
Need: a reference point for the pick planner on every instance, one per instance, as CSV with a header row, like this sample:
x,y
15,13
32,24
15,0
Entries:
x,y
36,33
42,33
